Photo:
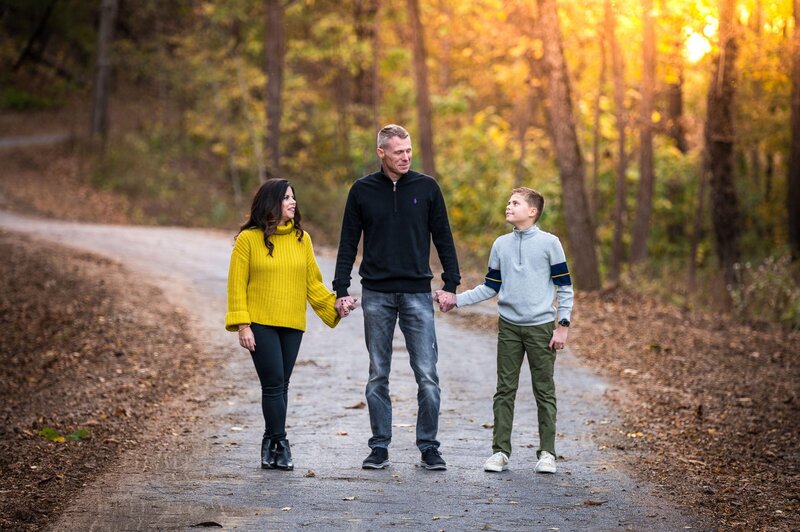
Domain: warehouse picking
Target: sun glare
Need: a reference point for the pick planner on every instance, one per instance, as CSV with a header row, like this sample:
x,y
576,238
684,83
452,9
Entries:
x,y
696,47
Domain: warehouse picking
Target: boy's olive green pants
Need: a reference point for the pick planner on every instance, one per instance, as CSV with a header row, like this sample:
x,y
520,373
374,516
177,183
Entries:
x,y
513,341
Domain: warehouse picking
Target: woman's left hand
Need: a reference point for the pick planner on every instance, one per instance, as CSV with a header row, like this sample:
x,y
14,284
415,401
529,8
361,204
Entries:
x,y
247,339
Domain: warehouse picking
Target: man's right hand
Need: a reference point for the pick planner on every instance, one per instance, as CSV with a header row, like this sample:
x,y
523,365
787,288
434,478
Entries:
x,y
446,300
344,305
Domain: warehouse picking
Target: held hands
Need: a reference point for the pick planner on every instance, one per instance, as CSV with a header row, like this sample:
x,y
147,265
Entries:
x,y
345,304
559,340
446,300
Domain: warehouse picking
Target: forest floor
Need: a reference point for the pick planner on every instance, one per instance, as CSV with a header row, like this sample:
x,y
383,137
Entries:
x,y
86,366
709,406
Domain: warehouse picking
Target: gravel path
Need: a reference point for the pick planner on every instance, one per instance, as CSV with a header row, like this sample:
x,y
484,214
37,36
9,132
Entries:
x,y
33,140
215,477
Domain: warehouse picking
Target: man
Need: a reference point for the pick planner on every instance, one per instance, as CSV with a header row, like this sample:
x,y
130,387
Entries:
x,y
398,211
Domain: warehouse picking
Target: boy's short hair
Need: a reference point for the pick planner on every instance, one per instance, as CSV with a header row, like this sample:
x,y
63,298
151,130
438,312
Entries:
x,y
532,198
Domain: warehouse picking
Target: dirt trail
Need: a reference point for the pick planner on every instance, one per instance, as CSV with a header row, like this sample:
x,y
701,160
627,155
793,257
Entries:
x,y
215,477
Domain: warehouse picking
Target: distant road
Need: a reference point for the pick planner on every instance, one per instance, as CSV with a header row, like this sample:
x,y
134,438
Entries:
x,y
33,140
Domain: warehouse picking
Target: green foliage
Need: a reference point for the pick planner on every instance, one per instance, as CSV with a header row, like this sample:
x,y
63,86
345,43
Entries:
x,y
135,167
200,64
674,201
478,165
61,44
160,174
16,99
78,435
51,434
55,436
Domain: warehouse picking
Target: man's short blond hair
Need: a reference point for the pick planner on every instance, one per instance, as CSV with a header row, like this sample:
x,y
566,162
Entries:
x,y
387,132
532,198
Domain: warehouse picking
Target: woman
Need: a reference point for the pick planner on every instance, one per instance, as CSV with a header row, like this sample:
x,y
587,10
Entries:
x,y
273,273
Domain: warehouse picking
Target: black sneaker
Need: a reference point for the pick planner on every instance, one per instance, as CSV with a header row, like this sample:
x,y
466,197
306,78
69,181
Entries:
x,y
432,459
377,459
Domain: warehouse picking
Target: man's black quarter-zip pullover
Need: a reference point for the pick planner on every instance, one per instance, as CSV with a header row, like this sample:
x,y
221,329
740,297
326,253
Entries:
x,y
397,221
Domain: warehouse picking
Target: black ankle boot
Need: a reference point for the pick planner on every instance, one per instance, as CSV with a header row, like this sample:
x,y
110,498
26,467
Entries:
x,y
267,453
283,455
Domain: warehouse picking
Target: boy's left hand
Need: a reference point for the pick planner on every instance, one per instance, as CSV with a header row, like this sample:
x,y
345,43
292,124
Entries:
x,y
559,340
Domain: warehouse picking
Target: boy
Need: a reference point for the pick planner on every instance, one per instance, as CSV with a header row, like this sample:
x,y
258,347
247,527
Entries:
x,y
528,271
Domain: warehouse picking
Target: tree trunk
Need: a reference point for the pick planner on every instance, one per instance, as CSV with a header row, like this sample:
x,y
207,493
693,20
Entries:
x,y
424,114
675,128
594,194
519,177
244,91
621,193
105,38
376,65
445,7
524,111
230,144
754,150
364,12
769,174
568,153
644,196
719,139
793,178
344,101
698,226
37,34
274,49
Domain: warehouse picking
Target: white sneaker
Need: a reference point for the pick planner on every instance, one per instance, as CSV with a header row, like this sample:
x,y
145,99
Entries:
x,y
497,462
546,463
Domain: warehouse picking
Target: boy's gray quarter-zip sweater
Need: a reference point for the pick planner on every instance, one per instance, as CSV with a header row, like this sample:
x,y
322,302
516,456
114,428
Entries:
x,y
527,292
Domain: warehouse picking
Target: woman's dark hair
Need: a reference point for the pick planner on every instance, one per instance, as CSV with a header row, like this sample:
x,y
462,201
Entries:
x,y
265,212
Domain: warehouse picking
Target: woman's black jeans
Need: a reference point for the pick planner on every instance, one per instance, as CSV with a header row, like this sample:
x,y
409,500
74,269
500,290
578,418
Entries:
x,y
274,358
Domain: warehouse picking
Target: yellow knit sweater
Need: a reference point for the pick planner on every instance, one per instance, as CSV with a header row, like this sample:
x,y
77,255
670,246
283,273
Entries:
x,y
274,290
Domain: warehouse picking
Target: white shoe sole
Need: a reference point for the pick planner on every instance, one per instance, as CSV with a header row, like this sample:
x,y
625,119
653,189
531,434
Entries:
x,y
495,469
545,469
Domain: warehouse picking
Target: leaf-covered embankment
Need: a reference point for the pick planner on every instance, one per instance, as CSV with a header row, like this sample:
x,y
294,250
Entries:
x,y
88,357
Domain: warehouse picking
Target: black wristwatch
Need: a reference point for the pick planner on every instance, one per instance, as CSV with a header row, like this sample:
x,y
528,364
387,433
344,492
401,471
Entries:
x,y
564,323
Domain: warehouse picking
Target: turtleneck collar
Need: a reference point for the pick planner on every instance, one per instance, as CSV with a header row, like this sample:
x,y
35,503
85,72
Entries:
x,y
384,174
526,233
285,229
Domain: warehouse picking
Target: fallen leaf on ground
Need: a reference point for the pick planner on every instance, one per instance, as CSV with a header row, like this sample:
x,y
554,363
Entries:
x,y
592,502
358,406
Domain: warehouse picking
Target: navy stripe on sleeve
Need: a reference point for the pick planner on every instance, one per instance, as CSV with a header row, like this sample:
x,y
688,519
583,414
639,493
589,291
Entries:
x,y
560,274
493,279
